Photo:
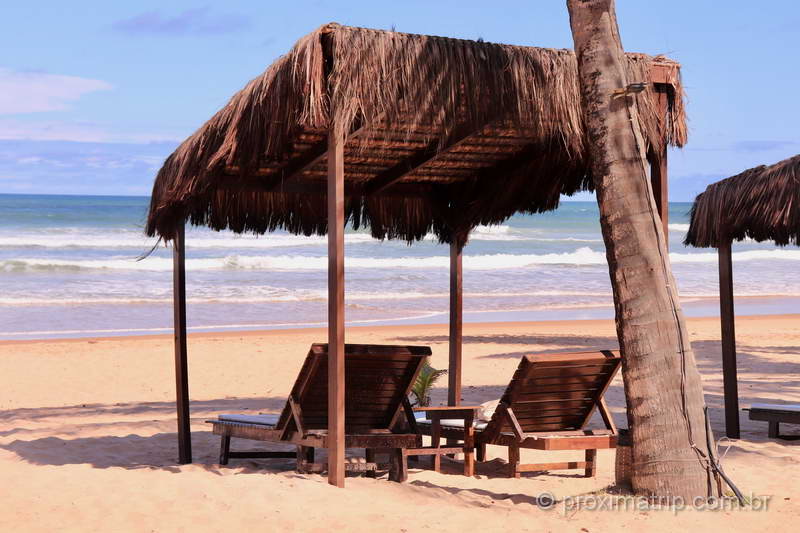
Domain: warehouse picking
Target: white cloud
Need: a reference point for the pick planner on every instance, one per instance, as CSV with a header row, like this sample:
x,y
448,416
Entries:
x,y
56,130
35,92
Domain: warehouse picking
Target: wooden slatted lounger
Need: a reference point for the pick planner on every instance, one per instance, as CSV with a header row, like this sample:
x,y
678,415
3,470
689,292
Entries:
x,y
546,406
377,412
775,414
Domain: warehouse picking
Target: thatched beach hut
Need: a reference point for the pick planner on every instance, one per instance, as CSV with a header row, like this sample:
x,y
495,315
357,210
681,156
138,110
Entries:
x,y
406,135
762,204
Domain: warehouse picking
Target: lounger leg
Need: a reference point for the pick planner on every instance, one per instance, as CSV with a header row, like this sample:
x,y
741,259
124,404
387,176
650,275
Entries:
x,y
591,463
399,469
224,449
774,430
370,455
305,456
469,448
513,461
481,449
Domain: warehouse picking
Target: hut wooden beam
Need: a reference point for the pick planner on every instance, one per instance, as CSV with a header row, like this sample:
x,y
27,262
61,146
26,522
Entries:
x,y
456,324
312,157
394,174
181,364
728,334
336,382
403,190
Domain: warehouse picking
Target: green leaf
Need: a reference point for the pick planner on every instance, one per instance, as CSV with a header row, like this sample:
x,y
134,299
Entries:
x,y
426,379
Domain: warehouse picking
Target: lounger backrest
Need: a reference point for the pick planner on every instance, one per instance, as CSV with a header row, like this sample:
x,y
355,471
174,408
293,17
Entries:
x,y
557,391
377,378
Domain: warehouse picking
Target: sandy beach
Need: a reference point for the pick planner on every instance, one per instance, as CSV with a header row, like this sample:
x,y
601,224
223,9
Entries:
x,y
87,439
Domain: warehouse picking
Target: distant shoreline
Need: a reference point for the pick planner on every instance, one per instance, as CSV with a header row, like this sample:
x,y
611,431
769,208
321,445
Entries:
x,y
321,331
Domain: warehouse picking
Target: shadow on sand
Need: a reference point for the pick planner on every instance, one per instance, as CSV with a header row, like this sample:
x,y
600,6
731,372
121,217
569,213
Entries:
x,y
41,435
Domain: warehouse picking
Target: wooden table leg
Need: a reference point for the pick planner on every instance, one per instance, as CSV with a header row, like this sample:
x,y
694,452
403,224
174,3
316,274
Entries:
x,y
469,447
224,449
774,430
436,435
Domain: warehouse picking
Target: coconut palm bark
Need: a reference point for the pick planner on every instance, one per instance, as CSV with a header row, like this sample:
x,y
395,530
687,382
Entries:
x,y
662,384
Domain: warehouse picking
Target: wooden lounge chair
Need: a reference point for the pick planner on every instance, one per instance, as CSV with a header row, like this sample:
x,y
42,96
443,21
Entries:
x,y
546,406
377,412
775,414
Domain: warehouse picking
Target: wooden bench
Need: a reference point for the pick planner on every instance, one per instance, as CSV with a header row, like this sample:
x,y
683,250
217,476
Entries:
x,y
774,414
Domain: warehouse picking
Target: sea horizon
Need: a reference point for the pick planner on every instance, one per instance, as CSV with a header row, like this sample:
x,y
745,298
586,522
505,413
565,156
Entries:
x,y
79,266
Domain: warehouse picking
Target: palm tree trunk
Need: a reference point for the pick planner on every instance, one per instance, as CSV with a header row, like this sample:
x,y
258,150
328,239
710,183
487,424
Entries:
x,y
662,385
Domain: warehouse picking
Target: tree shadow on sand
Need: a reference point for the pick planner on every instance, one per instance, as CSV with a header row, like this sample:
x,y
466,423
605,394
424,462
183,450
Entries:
x,y
565,343
150,442
157,451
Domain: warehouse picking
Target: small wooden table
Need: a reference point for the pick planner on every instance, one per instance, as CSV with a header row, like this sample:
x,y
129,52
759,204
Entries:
x,y
435,415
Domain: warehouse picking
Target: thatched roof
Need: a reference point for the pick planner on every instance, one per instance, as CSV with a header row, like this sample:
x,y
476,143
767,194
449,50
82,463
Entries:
x,y
762,204
442,135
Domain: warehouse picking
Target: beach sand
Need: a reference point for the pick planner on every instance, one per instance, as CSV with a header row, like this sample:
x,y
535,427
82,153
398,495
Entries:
x,y
87,437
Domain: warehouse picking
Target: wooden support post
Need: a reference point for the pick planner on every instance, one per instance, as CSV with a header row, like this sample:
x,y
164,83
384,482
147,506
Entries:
x,y
456,321
336,385
181,366
726,314
658,166
658,177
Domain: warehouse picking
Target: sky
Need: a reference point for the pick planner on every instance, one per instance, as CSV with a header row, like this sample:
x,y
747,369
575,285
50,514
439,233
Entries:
x,y
94,95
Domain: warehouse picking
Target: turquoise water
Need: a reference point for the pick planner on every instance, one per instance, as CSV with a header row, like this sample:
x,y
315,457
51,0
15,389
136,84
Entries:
x,y
69,267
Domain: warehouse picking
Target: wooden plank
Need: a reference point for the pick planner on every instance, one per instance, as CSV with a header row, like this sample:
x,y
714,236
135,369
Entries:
x,y
262,455
419,159
532,397
336,393
598,397
775,416
542,366
319,187
728,333
456,325
572,443
578,381
531,419
513,423
297,415
434,450
605,414
663,73
554,404
584,371
558,358
181,364
541,467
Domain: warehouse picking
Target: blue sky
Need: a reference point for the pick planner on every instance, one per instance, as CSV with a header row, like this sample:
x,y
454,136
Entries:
x,y
94,95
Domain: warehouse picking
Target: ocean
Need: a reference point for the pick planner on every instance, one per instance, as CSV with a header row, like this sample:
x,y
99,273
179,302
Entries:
x,y
70,267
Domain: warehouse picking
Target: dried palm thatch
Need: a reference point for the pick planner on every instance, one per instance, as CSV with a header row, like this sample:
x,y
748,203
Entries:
x,y
762,203
442,135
